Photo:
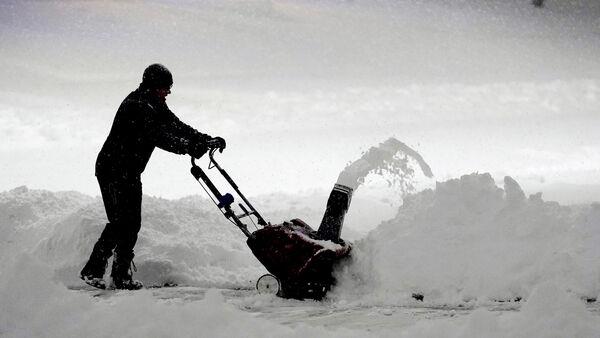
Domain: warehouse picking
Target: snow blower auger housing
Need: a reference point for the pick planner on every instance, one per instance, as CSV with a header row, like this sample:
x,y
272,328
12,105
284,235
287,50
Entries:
x,y
300,263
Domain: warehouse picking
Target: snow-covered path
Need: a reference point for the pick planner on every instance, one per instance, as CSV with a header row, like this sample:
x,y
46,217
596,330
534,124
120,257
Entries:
x,y
327,314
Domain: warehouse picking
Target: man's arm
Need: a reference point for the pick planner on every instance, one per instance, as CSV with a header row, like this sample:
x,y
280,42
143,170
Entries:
x,y
198,142
180,128
165,132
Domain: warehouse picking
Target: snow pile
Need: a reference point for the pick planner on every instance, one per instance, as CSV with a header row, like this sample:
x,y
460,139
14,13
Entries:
x,y
27,216
185,241
34,307
24,207
469,240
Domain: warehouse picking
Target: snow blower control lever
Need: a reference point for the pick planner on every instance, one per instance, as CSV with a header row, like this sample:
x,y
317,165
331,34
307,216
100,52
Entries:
x,y
225,201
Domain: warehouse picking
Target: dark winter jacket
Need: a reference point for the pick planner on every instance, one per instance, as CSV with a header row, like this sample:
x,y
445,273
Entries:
x,y
142,123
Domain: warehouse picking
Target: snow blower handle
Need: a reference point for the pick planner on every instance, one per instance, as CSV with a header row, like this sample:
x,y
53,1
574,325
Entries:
x,y
225,201
253,211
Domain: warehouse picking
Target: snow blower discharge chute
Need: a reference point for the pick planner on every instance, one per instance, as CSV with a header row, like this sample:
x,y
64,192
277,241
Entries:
x,y
300,260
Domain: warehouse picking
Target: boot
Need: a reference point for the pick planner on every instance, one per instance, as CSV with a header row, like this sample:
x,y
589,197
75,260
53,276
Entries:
x,y
93,271
121,272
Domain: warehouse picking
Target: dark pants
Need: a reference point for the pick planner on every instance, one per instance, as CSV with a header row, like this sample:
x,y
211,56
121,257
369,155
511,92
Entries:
x,y
122,197
333,219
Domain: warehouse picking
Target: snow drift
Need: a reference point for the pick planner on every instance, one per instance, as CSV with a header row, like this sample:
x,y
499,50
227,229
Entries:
x,y
182,242
469,240
466,240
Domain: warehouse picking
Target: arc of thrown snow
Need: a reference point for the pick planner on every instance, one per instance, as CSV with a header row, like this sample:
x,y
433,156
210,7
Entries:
x,y
375,158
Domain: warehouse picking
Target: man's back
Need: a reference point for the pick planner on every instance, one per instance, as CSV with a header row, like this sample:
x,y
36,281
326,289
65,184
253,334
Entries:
x,y
142,123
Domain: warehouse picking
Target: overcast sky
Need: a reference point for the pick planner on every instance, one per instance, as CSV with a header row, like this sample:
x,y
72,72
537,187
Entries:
x,y
300,88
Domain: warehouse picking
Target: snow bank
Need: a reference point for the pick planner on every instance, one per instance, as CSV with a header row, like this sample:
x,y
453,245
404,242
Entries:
x,y
469,240
185,241
34,307
27,216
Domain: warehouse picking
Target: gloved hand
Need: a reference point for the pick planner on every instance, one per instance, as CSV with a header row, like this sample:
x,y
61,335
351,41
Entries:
x,y
197,145
217,143
198,149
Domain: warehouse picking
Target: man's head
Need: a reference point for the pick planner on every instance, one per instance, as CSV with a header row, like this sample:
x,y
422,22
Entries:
x,y
157,78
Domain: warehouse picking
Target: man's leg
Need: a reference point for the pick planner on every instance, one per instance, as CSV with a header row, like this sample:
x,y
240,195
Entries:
x,y
128,216
333,219
93,271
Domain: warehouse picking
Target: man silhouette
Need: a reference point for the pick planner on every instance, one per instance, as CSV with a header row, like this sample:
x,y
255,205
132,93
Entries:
x,y
142,122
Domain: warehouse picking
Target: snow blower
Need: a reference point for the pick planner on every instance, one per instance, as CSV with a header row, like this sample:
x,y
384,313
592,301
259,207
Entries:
x,y
300,260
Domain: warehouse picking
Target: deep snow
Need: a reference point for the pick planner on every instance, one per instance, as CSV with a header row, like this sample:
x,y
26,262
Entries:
x,y
469,240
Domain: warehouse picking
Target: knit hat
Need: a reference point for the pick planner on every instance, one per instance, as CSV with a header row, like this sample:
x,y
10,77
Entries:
x,y
157,76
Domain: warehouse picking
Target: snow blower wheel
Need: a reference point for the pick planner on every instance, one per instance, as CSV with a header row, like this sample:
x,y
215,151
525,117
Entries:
x,y
268,285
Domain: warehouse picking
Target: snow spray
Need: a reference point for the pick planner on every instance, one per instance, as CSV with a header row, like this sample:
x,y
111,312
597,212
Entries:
x,y
385,157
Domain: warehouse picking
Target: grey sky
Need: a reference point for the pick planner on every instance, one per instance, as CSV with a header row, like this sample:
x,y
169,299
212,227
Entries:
x,y
299,88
